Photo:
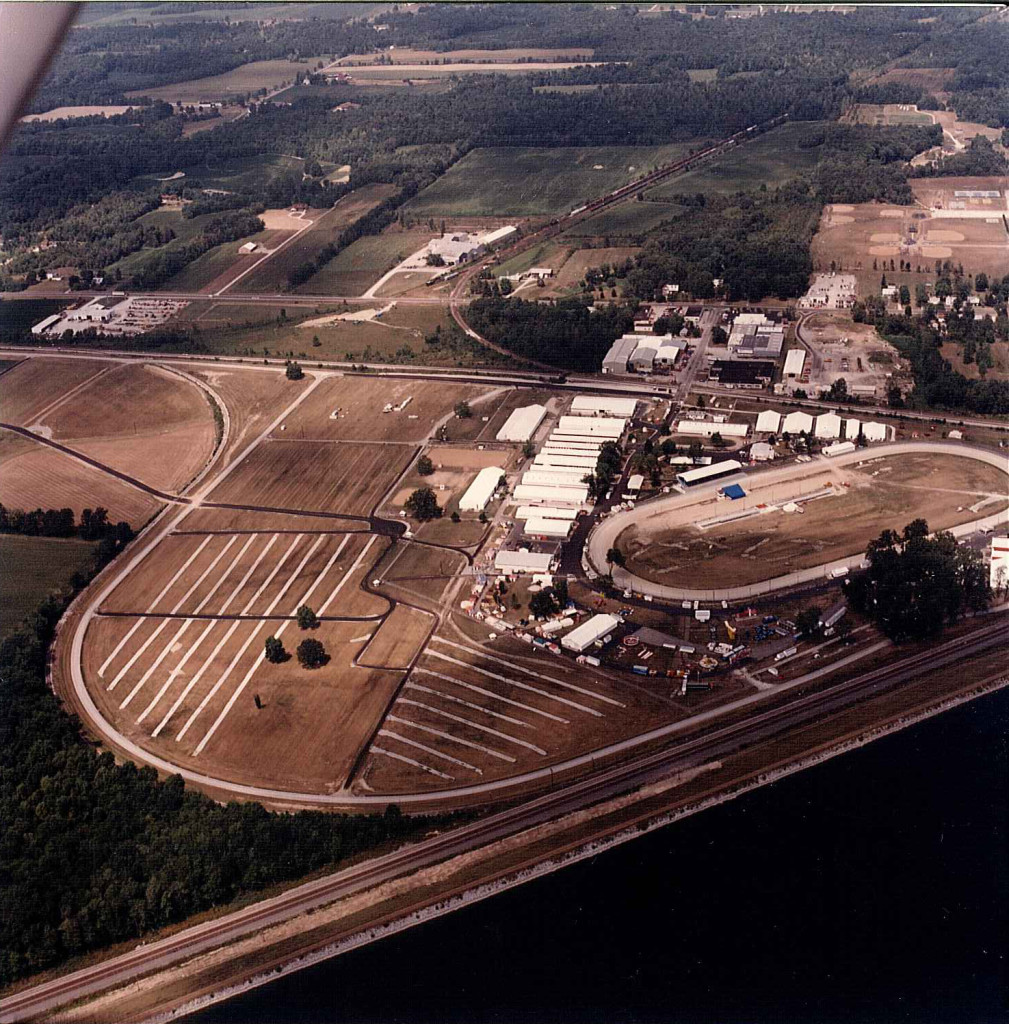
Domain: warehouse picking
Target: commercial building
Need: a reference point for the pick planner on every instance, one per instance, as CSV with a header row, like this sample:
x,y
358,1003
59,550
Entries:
x,y
573,494
794,362
704,474
455,247
828,426
751,342
796,423
998,578
522,562
481,490
705,428
603,405
643,359
498,234
554,529
591,630
605,427
742,373
666,356
618,357
768,422
522,423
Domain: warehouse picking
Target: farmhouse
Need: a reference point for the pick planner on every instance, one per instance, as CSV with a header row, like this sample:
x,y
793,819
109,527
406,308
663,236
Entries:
x,y
481,490
522,423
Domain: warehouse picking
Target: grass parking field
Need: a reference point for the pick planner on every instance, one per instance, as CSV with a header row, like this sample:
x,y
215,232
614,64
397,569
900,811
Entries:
x,y
537,182
32,568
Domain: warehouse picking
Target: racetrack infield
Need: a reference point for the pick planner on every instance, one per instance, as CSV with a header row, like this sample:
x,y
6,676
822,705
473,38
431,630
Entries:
x,y
938,488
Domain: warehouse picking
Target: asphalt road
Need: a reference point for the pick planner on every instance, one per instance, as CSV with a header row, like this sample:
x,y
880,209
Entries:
x,y
717,743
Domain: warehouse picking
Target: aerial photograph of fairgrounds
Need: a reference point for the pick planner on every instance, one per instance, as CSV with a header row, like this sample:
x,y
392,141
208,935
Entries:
x,y
441,443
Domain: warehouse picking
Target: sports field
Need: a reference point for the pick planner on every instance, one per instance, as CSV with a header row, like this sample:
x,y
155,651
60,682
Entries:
x,y
536,182
853,504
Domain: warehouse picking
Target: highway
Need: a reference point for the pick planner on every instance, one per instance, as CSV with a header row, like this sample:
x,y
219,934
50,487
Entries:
x,y
718,743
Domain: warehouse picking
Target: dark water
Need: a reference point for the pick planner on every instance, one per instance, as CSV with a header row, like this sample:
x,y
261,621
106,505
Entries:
x,y
872,888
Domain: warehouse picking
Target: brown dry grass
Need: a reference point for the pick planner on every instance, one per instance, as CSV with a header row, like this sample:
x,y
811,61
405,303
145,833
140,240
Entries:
x,y
399,639
36,384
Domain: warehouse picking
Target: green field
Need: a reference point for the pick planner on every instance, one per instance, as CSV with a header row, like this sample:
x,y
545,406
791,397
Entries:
x,y
18,315
30,569
772,159
117,14
625,220
537,182
354,270
260,74
244,174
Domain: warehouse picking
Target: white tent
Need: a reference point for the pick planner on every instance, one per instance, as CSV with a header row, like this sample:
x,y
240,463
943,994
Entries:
x,y
795,422
522,423
828,425
851,429
481,489
769,422
875,431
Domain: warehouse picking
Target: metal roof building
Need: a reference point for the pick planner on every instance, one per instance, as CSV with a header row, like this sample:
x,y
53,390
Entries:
x,y
875,431
522,561
603,405
796,422
666,355
794,362
643,359
704,428
566,476
828,425
712,472
851,429
589,632
481,489
619,355
768,422
556,529
579,461
839,448
522,423
575,494
545,512
605,427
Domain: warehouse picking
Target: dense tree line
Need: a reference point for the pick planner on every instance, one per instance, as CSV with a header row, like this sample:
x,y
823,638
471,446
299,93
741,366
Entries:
x,y
93,853
566,333
61,522
915,585
979,159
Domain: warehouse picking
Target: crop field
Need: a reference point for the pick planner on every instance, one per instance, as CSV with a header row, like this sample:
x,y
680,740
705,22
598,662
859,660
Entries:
x,y
773,158
249,173
625,220
408,55
469,713
350,409
31,568
316,476
882,493
260,74
536,182
355,269
859,236
329,224
33,476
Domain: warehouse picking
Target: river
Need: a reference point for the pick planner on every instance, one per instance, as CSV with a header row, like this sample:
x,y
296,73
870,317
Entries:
x,y
873,887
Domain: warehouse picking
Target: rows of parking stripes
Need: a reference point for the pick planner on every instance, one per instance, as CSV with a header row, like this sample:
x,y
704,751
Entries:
x,y
464,711
290,560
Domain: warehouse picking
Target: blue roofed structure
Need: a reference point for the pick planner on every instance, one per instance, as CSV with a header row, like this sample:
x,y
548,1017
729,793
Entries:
x,y
734,491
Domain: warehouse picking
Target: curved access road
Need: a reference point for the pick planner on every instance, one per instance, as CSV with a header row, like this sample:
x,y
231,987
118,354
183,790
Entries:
x,y
604,536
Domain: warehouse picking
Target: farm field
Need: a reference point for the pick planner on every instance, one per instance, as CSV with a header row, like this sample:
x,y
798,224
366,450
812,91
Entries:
x,y
773,158
316,476
248,173
266,11
536,182
355,269
31,568
409,55
625,220
58,113
33,476
260,74
883,493
360,401
329,224
402,73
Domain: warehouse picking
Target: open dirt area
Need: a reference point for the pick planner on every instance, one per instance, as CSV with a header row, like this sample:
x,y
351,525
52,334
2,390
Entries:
x,y
350,408
57,113
838,338
883,493
37,386
33,476
454,470
318,476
